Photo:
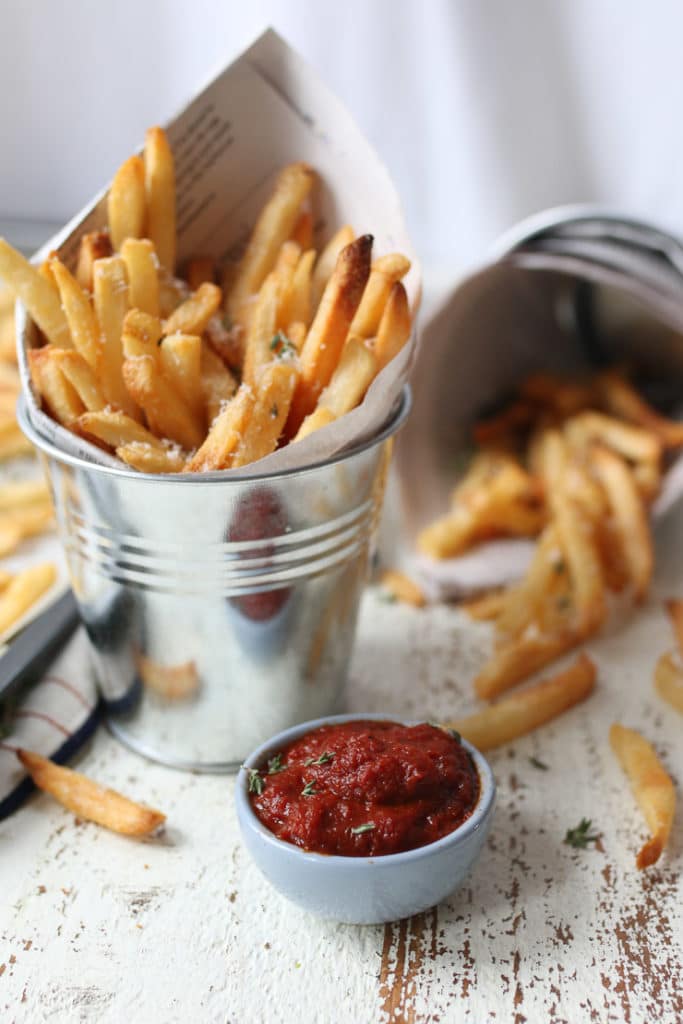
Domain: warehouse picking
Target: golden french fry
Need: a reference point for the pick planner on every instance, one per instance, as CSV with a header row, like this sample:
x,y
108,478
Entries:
x,y
152,459
81,377
525,601
89,800
327,261
296,335
622,400
161,196
652,788
384,273
669,681
320,417
225,434
167,414
521,658
18,524
330,327
142,266
504,424
37,294
21,493
200,270
273,227
10,537
110,299
521,713
23,590
674,607
295,304
261,334
48,380
141,335
395,326
79,313
93,246
633,443
172,291
115,429
8,344
174,682
629,517
126,202
193,315
217,383
181,365
9,379
351,379
577,540
269,415
13,443
558,395
302,233
487,607
648,478
402,588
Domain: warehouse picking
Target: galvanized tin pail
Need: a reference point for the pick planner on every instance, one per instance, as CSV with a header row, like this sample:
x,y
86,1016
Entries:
x,y
219,611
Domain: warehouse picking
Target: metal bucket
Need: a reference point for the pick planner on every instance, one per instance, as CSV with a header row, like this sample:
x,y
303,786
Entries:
x,y
219,611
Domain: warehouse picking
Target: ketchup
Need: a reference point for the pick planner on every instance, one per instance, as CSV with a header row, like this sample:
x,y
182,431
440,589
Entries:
x,y
366,788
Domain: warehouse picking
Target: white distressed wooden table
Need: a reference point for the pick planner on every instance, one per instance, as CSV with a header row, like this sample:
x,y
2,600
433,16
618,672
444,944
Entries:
x,y
98,928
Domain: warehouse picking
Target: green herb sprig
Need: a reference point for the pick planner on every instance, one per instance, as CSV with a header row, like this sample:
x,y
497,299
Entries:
x,y
538,764
309,789
255,783
360,829
275,764
581,836
324,758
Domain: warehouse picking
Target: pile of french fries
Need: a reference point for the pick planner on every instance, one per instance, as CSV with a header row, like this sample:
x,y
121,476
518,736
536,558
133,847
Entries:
x,y
185,375
576,464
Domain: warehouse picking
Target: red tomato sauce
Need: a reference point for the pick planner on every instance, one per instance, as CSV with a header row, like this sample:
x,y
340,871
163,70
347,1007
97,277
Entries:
x,y
366,788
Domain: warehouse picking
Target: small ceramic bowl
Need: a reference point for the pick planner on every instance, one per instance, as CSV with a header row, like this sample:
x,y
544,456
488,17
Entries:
x,y
364,890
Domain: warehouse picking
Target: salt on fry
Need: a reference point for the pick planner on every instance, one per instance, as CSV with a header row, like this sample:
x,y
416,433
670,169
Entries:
x,y
262,330
193,315
521,713
147,458
167,414
89,800
269,415
652,787
218,384
180,356
225,434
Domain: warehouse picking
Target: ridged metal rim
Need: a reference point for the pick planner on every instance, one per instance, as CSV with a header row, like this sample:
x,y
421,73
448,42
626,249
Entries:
x,y
394,423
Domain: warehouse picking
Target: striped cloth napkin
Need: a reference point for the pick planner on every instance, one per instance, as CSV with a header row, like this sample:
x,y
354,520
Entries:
x,y
53,718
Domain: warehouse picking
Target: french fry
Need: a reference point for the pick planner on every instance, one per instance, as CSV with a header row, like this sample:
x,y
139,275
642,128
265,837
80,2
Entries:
x,y
115,429
296,334
23,590
37,294
126,202
48,380
558,395
181,365
328,332
652,788
402,588
385,272
142,264
217,383
629,516
515,416
225,434
79,312
161,196
200,270
521,713
274,395
110,299
152,459
669,681
81,377
320,417
193,315
302,233
520,658
13,443
22,493
273,227
173,682
327,261
633,443
167,415
622,400
295,305
8,346
88,800
487,607
172,291
351,379
525,602
261,333
395,326
93,246
674,607
18,524
141,335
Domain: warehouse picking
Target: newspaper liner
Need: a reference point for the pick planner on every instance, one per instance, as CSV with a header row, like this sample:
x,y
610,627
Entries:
x,y
264,110
513,317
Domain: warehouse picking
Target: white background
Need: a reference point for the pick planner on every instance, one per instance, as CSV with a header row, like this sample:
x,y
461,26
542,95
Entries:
x,y
484,111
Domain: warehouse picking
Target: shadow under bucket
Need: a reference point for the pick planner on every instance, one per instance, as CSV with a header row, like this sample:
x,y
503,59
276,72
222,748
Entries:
x,y
220,610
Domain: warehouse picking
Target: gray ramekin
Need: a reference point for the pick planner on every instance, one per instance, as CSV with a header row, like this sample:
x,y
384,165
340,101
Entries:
x,y
364,890
219,609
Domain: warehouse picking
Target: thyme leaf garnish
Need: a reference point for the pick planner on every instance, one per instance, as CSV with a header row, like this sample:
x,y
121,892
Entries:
x,y
538,764
275,764
255,783
581,836
309,789
360,829
326,756
282,346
